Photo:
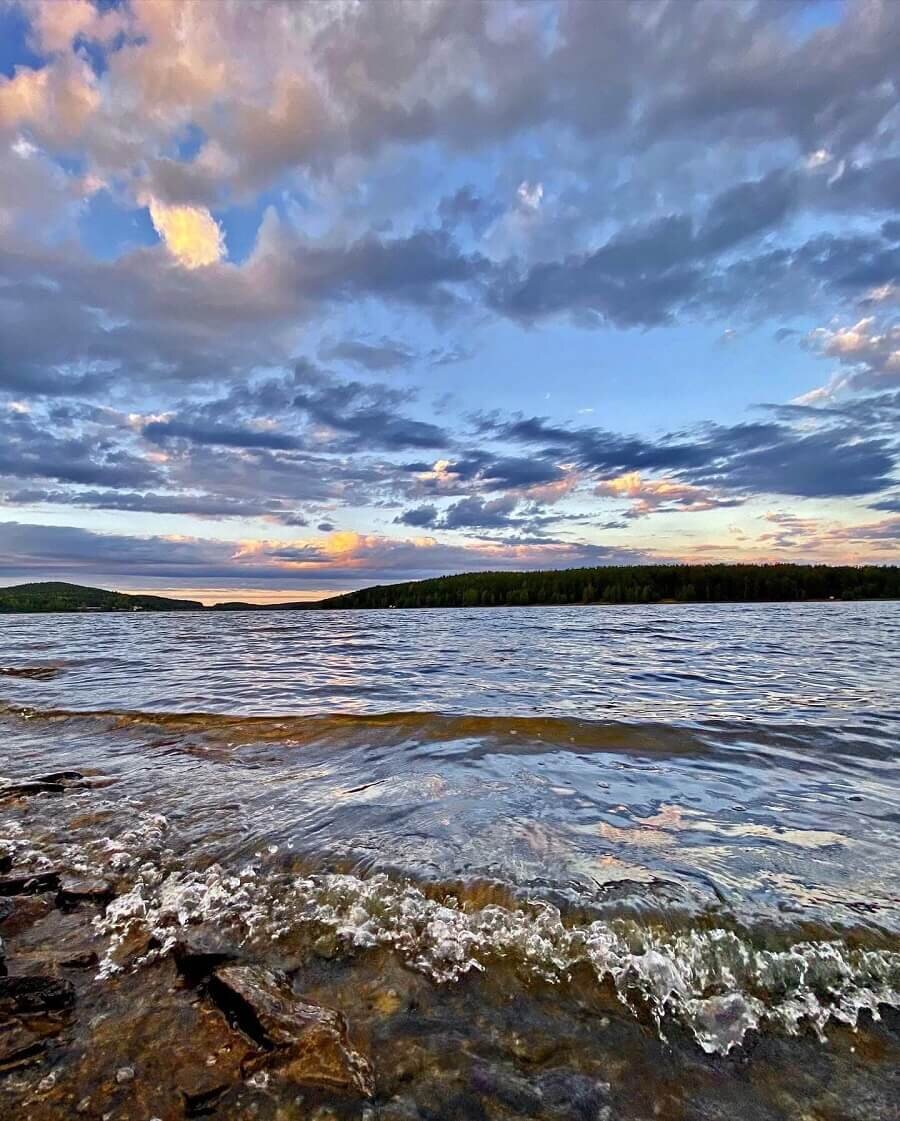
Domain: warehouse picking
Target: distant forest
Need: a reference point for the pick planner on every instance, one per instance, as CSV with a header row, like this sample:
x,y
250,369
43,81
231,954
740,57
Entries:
x,y
706,583
657,583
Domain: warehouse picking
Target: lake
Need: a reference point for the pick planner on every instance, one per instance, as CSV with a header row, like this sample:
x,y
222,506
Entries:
x,y
587,862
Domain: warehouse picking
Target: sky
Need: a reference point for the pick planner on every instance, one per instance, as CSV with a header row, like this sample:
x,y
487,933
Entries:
x,y
302,297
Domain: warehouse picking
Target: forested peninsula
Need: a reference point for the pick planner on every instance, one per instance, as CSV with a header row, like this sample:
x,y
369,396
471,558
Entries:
x,y
707,583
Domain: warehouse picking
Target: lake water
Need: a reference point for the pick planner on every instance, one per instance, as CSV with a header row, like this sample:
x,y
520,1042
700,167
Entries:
x,y
620,862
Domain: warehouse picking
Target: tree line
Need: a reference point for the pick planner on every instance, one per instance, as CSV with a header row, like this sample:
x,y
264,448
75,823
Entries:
x,y
657,583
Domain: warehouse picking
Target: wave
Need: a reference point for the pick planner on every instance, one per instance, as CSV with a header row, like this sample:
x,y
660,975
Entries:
x,y
717,982
516,732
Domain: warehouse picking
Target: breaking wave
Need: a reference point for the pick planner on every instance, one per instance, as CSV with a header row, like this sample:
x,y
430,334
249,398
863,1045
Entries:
x,y
715,981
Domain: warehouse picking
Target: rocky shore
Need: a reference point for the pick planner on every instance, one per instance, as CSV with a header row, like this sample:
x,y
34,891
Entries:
x,y
296,1026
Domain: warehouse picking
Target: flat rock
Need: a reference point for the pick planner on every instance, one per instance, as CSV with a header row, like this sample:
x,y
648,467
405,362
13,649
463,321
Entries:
x,y
19,1046
25,789
20,912
201,955
56,782
75,890
25,996
34,673
307,1043
32,884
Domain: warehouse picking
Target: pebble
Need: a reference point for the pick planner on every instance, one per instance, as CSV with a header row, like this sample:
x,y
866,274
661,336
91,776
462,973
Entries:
x,y
125,1074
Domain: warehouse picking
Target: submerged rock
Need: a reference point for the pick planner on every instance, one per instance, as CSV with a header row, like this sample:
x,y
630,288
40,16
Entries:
x,y
56,782
307,1043
33,673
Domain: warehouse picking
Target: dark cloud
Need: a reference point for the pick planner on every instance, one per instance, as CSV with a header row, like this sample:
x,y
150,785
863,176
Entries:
x,y
422,517
30,450
649,274
891,503
161,431
768,458
480,513
367,414
195,505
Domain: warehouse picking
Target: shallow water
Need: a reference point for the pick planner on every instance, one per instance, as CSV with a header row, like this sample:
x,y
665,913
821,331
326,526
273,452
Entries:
x,y
662,839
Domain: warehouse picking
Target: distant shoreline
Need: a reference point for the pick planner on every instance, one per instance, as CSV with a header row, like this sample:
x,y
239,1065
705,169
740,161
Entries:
x,y
250,609
619,585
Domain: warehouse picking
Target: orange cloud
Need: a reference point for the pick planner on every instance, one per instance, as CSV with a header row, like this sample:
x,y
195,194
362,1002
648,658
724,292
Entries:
x,y
648,495
190,233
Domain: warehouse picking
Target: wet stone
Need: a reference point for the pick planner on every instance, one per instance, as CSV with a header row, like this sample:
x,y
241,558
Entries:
x,y
33,884
22,996
305,1042
569,1095
19,913
75,890
53,937
12,790
510,1090
56,782
198,958
19,1046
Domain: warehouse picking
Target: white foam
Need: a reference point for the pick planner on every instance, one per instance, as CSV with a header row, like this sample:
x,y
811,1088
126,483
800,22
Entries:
x,y
714,981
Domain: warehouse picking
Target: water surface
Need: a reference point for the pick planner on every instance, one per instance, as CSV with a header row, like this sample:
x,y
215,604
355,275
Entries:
x,y
679,820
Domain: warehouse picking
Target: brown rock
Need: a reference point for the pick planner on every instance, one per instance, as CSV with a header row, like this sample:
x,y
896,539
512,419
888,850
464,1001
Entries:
x,y
23,911
307,1043
57,782
184,1055
25,996
74,890
24,789
33,884
19,1046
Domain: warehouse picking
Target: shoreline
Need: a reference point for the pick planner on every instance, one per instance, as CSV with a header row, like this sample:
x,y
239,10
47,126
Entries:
x,y
251,608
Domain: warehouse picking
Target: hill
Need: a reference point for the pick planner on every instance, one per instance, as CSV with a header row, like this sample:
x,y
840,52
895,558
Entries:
x,y
709,583
53,596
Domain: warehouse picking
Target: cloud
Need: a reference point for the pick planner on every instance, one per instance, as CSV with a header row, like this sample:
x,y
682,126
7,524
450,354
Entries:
x,y
650,495
190,233
833,459
31,449
391,206
868,351
221,435
421,517
793,532
149,502
366,413
334,561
